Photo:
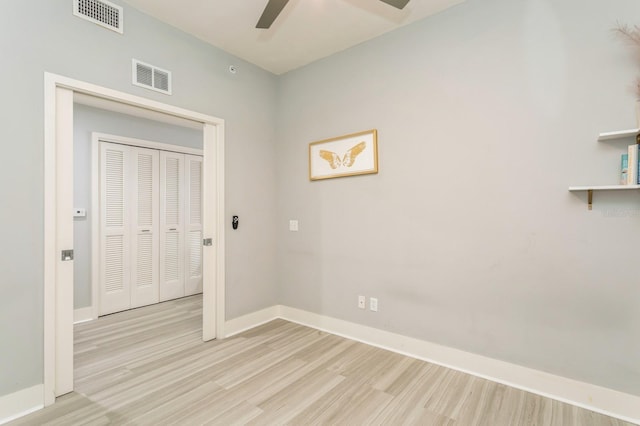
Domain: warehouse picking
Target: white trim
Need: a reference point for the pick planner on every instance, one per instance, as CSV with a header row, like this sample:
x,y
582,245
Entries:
x,y
213,227
125,109
591,397
596,398
254,319
126,98
49,308
218,222
123,140
213,144
64,241
83,315
20,403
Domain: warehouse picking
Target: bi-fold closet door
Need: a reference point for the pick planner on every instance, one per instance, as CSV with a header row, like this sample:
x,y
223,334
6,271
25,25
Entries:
x,y
193,224
151,208
180,225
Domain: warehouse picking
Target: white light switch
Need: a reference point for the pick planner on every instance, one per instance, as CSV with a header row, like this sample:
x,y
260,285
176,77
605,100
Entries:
x,y
293,225
373,304
78,212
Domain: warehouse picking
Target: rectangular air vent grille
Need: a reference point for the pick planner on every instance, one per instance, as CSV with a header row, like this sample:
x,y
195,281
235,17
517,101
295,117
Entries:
x,y
100,12
151,77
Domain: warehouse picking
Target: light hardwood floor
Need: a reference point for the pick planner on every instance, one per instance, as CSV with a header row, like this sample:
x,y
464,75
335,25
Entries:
x,y
149,366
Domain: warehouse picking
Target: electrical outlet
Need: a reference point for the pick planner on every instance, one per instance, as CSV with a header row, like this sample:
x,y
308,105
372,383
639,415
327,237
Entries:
x,y
373,304
362,301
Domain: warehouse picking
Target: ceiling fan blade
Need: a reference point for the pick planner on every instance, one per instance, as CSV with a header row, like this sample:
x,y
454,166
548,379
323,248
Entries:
x,y
399,4
271,12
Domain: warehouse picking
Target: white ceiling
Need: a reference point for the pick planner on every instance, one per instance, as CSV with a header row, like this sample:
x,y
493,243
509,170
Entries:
x,y
305,31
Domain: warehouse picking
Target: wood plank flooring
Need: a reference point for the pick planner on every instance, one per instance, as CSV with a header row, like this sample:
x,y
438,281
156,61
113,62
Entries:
x,y
149,366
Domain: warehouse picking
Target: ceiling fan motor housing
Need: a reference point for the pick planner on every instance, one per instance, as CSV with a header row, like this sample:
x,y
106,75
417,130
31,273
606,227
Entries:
x,y
274,7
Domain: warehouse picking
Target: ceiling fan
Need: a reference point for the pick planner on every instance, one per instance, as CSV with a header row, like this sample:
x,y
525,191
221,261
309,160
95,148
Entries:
x,y
274,7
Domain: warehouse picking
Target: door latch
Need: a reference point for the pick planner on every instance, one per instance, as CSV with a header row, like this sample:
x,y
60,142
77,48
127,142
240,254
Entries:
x,y
67,255
207,242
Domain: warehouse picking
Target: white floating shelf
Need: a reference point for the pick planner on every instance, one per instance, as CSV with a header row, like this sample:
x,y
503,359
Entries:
x,y
592,188
619,134
602,187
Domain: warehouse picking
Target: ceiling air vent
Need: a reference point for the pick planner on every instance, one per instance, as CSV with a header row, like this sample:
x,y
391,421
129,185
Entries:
x,y
100,12
151,77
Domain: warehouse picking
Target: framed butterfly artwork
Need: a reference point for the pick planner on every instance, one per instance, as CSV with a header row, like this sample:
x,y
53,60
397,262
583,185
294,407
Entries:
x,y
349,155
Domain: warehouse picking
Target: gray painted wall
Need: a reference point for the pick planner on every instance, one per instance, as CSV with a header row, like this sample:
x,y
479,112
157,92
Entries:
x,y
85,121
45,36
468,236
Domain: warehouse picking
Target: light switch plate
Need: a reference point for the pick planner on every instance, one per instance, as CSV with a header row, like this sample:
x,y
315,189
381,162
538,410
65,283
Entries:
x,y
293,225
373,304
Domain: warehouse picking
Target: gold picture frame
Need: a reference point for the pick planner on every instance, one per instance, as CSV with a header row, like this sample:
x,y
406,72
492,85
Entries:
x,y
349,155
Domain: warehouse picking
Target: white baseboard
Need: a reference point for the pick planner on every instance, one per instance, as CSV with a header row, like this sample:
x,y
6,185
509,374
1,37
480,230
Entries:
x,y
249,321
21,403
83,315
596,398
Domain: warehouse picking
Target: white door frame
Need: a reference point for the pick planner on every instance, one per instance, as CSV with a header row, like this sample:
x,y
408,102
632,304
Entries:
x,y
58,221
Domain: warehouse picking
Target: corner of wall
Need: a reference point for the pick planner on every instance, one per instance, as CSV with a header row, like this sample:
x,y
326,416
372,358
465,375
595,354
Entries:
x,y
83,314
249,321
585,395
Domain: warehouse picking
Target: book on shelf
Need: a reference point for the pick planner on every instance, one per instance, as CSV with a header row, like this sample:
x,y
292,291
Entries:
x,y
624,169
632,164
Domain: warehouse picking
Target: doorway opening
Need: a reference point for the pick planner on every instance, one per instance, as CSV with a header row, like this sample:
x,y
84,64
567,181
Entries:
x,y
58,218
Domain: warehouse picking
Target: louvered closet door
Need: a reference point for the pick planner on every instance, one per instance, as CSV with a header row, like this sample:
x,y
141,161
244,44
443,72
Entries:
x,y
193,226
145,224
114,237
171,225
